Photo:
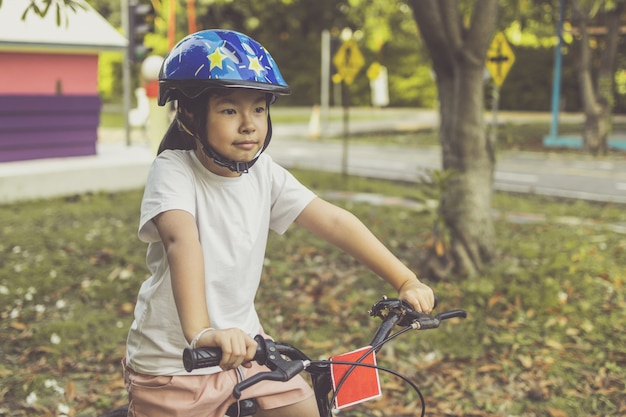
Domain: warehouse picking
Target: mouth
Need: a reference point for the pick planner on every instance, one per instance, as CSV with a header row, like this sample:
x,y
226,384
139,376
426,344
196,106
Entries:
x,y
246,145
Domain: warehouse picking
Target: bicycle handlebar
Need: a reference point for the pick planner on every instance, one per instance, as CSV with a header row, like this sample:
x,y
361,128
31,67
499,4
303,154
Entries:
x,y
267,352
271,354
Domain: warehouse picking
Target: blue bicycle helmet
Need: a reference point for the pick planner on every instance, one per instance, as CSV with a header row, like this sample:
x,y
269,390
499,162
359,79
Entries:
x,y
212,59
218,59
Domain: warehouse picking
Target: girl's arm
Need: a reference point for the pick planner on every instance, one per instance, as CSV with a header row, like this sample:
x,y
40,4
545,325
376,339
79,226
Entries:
x,y
179,234
344,230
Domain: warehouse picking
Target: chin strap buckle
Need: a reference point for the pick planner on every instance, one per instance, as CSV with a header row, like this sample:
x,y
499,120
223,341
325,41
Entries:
x,y
235,166
241,167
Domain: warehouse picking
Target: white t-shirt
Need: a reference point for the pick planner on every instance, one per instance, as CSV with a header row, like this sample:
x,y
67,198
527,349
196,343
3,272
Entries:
x,y
234,216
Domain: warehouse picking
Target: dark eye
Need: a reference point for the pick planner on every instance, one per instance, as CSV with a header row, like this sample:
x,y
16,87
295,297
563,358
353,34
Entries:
x,y
260,109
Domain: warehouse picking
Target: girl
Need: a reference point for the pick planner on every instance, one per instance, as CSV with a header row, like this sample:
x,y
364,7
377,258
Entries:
x,y
211,198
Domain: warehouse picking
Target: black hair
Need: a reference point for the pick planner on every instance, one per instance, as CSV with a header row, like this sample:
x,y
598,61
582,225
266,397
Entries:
x,y
190,120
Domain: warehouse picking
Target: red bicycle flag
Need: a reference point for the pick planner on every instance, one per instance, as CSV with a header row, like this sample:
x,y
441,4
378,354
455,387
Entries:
x,y
362,384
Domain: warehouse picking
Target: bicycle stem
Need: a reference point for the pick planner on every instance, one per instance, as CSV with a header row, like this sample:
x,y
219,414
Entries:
x,y
384,330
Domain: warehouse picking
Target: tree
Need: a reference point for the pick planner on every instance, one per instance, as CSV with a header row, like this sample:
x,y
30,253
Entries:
x,y
457,40
597,94
61,7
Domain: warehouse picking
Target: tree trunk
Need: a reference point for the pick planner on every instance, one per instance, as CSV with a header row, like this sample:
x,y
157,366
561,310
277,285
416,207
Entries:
x,y
466,200
608,64
458,54
597,96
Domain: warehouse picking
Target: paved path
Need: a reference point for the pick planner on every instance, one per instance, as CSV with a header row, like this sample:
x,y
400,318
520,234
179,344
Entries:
x,y
526,172
570,175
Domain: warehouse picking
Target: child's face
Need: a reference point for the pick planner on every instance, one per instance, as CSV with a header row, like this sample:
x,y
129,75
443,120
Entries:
x,y
237,124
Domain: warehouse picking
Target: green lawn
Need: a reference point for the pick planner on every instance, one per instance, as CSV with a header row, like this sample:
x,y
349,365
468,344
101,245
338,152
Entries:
x,y
545,334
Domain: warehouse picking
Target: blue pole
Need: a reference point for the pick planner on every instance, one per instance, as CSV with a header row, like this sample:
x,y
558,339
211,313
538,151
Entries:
x,y
556,82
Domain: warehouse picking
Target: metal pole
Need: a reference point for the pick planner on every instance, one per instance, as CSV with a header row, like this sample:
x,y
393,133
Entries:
x,y
346,128
556,82
494,113
325,81
126,71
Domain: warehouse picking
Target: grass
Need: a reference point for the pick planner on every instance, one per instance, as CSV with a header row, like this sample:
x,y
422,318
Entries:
x,y
545,334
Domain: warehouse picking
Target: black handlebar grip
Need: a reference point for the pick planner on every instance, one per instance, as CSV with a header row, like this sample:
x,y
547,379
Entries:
x,y
203,357
452,314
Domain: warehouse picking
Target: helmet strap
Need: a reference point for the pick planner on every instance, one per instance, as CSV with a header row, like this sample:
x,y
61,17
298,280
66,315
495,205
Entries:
x,y
235,166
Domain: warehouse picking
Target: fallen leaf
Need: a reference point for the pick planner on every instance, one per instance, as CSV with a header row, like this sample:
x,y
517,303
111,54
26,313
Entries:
x,y
17,325
554,344
525,360
127,308
490,368
70,390
554,412
439,249
495,299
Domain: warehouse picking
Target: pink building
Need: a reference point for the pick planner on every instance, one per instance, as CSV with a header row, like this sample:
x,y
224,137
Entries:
x,y
49,103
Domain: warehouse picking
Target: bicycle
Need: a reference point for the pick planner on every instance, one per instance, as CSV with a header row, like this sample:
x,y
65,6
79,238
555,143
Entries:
x,y
286,361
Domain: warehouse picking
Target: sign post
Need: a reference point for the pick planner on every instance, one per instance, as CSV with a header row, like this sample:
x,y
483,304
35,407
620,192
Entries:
x,y
348,60
500,59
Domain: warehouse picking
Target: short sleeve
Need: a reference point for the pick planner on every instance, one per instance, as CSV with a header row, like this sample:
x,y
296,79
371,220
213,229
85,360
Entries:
x,y
289,198
169,186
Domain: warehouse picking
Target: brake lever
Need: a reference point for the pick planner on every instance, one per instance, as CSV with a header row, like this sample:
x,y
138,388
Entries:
x,y
280,369
275,375
404,315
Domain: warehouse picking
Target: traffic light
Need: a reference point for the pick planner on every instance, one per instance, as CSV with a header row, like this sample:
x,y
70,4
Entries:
x,y
140,22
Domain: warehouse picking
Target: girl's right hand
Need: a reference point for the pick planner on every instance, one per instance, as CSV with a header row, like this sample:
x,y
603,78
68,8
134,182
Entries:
x,y
238,348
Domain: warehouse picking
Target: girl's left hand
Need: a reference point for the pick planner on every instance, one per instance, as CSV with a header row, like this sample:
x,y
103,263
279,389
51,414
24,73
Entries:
x,y
419,295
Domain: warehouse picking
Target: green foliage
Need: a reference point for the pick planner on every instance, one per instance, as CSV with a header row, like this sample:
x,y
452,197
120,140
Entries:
x,y
62,9
291,30
109,73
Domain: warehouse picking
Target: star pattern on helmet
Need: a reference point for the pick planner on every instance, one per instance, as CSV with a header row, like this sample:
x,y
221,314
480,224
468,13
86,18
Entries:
x,y
256,66
216,58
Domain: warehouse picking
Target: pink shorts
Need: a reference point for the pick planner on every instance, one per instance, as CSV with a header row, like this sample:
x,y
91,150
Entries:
x,y
206,395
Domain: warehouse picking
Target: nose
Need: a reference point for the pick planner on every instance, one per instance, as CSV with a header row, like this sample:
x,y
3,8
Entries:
x,y
247,124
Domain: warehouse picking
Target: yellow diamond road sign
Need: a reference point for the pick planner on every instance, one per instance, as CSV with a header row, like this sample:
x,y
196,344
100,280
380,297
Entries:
x,y
348,60
500,59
